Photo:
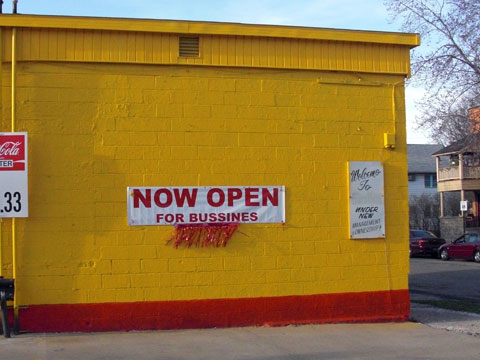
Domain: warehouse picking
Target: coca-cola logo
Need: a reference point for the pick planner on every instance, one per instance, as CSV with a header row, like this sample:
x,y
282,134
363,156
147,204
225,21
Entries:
x,y
10,148
12,152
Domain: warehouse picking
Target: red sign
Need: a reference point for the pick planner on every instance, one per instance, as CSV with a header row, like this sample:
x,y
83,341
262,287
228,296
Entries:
x,y
12,153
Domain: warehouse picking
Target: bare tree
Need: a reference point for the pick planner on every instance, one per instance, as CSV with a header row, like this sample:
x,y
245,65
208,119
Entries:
x,y
447,63
424,212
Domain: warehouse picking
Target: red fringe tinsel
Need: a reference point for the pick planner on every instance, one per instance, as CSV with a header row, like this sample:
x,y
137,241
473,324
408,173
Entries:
x,y
202,235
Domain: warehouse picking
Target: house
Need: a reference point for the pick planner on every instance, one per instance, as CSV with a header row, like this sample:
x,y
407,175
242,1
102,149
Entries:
x,y
458,170
422,172
422,187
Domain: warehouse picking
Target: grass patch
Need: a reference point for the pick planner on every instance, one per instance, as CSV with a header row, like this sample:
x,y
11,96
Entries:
x,y
455,305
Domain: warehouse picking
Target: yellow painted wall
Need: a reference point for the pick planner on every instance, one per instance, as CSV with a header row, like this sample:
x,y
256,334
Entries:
x,y
230,51
96,128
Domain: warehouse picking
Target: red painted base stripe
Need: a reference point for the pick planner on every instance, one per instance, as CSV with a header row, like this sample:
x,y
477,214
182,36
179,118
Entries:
x,y
380,306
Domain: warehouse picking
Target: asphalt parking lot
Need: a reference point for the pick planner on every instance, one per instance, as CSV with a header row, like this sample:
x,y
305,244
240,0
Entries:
x,y
453,279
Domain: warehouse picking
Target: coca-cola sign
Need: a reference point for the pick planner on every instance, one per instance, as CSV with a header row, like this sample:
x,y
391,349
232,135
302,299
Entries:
x,y
13,175
12,153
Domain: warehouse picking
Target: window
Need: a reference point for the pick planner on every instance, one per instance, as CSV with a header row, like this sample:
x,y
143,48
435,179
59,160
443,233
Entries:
x,y
421,234
471,238
430,181
411,177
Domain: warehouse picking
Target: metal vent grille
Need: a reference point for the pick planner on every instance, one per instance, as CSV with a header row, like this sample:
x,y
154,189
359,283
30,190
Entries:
x,y
189,46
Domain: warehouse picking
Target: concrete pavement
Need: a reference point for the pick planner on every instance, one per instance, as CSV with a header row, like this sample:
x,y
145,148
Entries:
x,y
339,341
455,321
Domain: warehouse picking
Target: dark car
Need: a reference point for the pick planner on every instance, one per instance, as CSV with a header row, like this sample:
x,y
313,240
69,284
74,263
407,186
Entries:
x,y
466,246
424,243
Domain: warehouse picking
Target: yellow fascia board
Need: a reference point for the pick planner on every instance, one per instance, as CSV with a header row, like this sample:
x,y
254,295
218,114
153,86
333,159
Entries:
x,y
207,28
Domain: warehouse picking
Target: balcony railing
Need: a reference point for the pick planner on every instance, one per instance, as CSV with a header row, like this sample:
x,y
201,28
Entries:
x,y
453,173
471,172
449,173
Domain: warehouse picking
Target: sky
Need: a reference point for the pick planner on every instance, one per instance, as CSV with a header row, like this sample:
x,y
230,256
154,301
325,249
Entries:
x,y
340,14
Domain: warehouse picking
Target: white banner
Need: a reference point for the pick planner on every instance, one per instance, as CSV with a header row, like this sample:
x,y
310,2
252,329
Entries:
x,y
13,175
366,207
207,204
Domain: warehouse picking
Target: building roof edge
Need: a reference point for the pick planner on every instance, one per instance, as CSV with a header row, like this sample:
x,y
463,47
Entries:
x,y
207,28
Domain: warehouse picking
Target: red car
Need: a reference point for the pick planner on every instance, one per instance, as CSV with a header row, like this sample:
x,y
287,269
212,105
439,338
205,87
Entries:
x,y
424,243
466,246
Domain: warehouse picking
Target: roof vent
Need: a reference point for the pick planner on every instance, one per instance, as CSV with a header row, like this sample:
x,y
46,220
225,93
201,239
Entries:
x,y
189,46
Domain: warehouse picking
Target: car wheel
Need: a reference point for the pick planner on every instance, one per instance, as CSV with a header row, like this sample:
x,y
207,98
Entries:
x,y
444,255
476,257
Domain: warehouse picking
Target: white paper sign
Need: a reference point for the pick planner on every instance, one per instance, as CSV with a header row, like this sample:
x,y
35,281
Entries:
x,y
366,208
205,205
13,175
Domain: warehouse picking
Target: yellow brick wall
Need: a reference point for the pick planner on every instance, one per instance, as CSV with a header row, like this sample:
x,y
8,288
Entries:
x,y
95,129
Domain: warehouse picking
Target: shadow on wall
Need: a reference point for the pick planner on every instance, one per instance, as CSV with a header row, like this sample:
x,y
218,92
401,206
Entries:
x,y
77,222
57,254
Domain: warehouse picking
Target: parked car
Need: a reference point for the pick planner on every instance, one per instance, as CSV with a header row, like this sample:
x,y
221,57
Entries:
x,y
424,243
466,246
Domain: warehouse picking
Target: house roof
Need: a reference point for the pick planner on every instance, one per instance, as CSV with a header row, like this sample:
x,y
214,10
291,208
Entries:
x,y
468,143
420,158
